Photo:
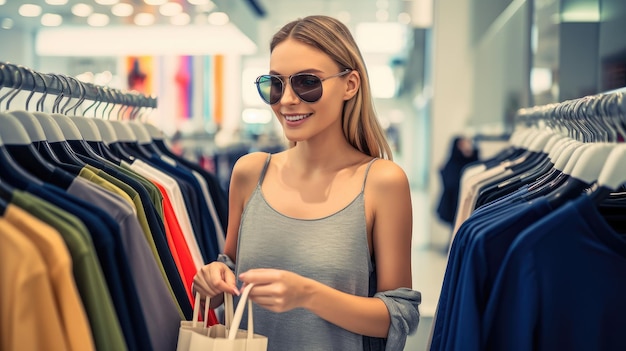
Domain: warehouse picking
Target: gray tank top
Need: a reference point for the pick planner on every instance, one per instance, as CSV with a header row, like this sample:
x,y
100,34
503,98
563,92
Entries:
x,y
332,250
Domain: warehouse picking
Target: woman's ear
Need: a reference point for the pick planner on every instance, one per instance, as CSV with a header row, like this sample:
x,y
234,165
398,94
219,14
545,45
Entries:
x,y
353,83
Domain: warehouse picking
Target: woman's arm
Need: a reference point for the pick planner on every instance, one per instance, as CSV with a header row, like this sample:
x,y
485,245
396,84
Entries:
x,y
216,277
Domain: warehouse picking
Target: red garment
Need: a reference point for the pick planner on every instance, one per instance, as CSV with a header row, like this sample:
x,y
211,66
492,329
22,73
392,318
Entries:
x,y
178,245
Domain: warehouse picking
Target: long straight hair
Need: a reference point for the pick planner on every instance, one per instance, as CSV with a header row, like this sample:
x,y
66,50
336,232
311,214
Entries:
x,y
360,124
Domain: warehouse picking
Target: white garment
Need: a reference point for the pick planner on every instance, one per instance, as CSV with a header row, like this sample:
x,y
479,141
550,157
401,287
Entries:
x,y
178,203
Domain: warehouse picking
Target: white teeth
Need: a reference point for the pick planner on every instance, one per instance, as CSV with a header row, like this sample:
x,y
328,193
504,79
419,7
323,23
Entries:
x,y
295,118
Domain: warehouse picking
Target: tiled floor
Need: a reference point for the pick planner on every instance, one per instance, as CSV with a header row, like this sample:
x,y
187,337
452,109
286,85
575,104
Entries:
x,y
428,265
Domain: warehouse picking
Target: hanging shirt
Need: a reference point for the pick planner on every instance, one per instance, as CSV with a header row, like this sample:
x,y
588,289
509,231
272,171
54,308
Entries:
x,y
74,321
88,274
157,304
26,297
559,286
178,203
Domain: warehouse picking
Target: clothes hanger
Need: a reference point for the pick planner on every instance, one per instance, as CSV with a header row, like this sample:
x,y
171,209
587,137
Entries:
x,y
587,161
526,169
144,144
124,136
54,134
613,175
22,149
72,134
37,132
129,136
562,155
104,129
6,190
158,139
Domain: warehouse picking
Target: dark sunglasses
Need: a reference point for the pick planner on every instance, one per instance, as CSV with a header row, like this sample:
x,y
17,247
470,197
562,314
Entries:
x,y
307,86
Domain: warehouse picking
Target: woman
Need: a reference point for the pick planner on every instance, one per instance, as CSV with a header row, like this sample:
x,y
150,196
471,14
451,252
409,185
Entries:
x,y
323,229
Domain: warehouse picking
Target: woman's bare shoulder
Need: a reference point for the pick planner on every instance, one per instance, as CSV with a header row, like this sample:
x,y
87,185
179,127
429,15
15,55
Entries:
x,y
385,175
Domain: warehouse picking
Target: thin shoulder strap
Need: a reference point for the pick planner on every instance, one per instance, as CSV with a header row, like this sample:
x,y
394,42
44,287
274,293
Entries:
x,y
267,162
367,170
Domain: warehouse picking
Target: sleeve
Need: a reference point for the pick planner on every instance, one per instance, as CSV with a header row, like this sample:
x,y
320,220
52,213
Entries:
x,y
403,309
227,261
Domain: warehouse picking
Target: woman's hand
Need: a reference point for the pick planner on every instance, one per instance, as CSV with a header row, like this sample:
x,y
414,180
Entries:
x,y
214,279
277,290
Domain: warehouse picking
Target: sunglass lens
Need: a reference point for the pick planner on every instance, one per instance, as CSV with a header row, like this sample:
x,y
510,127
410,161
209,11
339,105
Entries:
x,y
270,88
307,86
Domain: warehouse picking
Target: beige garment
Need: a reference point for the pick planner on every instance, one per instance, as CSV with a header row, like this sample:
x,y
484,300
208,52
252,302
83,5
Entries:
x,y
29,320
471,187
74,322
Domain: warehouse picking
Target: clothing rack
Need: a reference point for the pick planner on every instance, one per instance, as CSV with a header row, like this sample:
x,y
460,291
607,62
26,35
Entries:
x,y
590,118
21,78
102,225
539,229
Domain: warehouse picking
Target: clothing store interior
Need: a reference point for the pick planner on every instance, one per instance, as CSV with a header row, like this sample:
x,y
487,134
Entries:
x,y
508,117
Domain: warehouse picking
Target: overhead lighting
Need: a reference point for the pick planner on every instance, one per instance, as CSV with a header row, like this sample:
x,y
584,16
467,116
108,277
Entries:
x,y
2,2
98,20
208,7
170,9
218,18
122,9
144,19
51,20
180,20
142,41
155,2
30,10
580,12
199,2
107,2
56,2
6,23
404,18
82,10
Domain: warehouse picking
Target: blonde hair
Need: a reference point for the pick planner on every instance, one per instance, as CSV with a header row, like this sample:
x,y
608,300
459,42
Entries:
x,y
360,124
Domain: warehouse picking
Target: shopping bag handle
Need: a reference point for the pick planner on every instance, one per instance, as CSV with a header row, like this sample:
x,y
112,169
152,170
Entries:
x,y
236,320
232,322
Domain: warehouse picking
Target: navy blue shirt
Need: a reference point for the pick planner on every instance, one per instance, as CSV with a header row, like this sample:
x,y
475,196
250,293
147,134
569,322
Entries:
x,y
561,286
482,261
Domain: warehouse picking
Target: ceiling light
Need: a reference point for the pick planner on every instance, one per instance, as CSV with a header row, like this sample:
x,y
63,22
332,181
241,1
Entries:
x,y
122,9
155,2
180,20
82,10
107,2
170,9
56,2
6,23
30,10
199,2
2,2
98,20
208,7
218,18
51,20
144,19
404,18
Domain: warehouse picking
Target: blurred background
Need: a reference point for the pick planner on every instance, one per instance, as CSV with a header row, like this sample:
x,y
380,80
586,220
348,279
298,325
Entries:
x,y
438,69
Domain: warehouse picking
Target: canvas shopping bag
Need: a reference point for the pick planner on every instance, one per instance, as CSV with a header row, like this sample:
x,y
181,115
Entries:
x,y
196,336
